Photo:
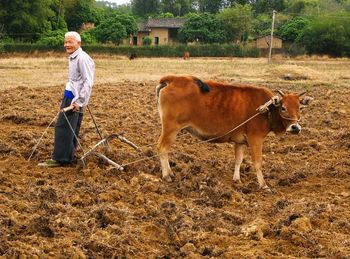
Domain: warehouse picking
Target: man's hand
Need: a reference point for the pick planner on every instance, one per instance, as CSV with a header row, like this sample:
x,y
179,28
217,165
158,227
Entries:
x,y
76,107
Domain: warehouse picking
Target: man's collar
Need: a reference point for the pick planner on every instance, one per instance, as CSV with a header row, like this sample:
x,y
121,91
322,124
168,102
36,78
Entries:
x,y
75,54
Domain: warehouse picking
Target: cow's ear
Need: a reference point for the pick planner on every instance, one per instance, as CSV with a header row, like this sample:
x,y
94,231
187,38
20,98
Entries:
x,y
306,100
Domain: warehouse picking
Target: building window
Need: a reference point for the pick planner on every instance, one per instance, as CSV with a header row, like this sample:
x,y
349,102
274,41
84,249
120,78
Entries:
x,y
156,40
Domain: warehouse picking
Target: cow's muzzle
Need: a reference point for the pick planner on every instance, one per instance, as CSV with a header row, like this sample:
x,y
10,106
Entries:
x,y
294,128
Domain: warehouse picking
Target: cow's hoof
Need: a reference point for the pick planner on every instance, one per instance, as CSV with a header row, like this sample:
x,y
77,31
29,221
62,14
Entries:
x,y
237,180
267,189
167,178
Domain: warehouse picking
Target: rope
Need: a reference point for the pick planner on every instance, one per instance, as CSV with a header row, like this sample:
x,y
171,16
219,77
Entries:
x,y
199,142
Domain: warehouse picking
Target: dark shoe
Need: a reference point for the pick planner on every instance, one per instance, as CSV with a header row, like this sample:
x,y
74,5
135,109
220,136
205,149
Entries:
x,y
50,163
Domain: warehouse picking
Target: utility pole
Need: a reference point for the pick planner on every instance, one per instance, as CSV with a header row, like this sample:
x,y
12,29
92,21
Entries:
x,y
271,36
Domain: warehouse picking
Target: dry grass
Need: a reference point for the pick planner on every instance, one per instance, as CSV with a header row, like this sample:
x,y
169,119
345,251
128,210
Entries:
x,y
52,71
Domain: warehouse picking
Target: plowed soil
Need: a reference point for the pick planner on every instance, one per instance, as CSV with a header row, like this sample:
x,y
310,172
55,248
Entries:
x,y
99,212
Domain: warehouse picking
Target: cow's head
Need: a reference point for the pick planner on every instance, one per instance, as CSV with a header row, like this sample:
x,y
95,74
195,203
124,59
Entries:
x,y
289,106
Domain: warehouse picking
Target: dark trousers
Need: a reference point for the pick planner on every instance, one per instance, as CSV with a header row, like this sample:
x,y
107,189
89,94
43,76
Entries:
x,y
65,141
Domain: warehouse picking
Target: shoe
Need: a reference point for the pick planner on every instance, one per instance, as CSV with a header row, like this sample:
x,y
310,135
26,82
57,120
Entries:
x,y
50,163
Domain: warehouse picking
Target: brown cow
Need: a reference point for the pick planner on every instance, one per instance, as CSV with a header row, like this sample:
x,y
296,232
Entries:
x,y
210,110
186,55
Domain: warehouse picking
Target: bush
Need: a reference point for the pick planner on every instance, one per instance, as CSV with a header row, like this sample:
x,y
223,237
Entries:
x,y
291,30
204,28
87,38
147,41
52,38
208,50
328,36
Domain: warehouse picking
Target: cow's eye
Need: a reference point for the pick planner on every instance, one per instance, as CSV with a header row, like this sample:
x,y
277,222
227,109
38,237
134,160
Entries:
x,y
283,109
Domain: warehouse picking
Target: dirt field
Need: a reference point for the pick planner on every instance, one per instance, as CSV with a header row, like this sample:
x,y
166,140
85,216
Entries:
x,y
98,212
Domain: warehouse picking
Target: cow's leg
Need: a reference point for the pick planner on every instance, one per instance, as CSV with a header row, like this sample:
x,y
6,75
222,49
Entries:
x,y
239,152
166,139
255,144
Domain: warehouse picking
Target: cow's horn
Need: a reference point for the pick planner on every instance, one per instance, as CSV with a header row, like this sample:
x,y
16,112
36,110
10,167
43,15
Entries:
x,y
280,92
301,94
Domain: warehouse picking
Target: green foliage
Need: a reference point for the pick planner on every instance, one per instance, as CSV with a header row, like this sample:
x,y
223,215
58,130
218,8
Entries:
x,y
205,50
262,25
237,21
57,20
176,7
25,20
128,22
87,38
53,38
326,35
110,30
292,29
263,6
79,12
210,6
300,6
6,39
164,15
147,41
115,28
204,28
144,8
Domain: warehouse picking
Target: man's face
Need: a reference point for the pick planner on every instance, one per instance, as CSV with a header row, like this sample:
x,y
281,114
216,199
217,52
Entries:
x,y
71,44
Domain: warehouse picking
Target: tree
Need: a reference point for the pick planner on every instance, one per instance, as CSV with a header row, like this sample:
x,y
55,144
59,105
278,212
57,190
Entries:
x,y
79,12
25,20
267,6
204,28
300,6
115,28
291,30
327,35
262,25
110,30
128,22
57,20
230,3
176,7
210,6
237,21
144,8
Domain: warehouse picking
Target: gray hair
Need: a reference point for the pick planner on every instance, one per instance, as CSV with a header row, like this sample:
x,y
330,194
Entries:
x,y
74,34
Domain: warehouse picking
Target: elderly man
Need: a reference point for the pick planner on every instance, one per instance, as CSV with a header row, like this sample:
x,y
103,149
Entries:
x,y
76,96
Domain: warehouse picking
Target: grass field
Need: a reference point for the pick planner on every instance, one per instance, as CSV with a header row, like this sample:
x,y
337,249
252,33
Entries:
x,y
52,71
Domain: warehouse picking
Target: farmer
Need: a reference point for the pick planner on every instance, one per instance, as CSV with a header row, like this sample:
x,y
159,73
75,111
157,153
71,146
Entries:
x,y
76,96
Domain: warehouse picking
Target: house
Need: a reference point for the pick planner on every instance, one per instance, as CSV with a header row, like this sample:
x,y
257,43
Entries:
x,y
263,42
161,30
87,26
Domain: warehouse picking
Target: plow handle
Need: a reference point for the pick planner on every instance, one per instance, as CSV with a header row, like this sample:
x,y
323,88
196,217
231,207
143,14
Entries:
x,y
67,108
